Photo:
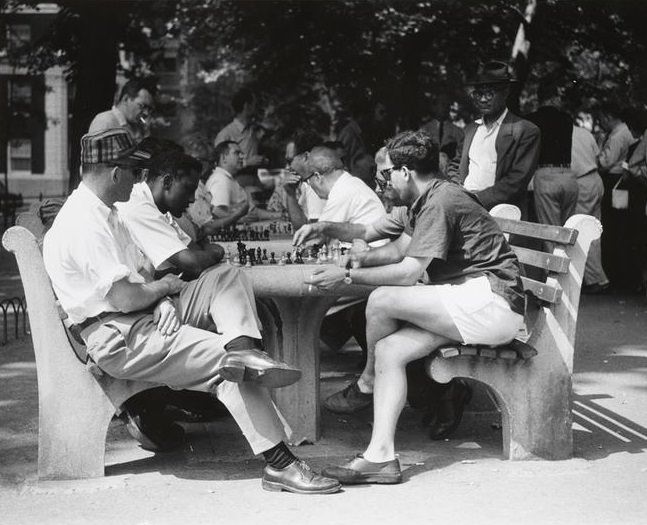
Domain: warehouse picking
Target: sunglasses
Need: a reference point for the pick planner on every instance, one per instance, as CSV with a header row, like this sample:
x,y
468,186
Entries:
x,y
386,173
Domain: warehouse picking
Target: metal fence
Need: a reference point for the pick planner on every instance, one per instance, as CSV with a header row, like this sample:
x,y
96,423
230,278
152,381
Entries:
x,y
15,307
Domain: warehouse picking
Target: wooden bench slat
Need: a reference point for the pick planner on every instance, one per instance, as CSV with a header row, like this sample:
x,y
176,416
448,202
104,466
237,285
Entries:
x,y
506,353
469,350
547,261
542,291
544,232
514,350
448,351
488,353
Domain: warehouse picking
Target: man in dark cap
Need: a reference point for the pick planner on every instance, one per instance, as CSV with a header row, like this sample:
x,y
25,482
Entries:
x,y
147,329
501,150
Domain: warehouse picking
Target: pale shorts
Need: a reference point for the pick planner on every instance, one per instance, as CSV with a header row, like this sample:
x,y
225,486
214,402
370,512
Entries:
x,y
480,315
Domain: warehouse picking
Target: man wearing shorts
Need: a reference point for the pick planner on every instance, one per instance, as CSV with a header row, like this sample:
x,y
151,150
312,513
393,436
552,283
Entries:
x,y
474,296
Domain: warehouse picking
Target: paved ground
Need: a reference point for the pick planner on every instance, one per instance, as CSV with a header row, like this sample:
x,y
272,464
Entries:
x,y
462,480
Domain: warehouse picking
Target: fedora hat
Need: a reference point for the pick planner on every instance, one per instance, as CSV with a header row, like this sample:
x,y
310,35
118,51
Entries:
x,y
113,146
492,72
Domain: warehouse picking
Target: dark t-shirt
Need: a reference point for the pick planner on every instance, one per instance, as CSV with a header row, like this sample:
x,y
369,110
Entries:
x,y
463,240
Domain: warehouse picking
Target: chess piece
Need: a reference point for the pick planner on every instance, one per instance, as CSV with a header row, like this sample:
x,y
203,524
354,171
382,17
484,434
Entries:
x,y
282,261
248,264
288,257
272,259
264,258
236,260
228,257
259,255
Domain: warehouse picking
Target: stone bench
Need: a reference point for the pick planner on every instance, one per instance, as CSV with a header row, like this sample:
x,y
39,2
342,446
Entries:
x,y
531,378
75,401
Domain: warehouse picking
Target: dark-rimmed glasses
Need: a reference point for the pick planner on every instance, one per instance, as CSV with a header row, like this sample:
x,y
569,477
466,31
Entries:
x,y
386,173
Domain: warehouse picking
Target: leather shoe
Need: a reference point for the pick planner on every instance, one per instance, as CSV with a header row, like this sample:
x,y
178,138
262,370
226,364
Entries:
x,y
350,399
152,432
254,365
360,470
449,411
298,477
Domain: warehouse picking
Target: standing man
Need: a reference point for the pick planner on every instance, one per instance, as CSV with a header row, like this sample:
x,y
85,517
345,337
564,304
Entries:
x,y
474,296
555,186
145,329
501,150
241,129
132,111
584,155
444,132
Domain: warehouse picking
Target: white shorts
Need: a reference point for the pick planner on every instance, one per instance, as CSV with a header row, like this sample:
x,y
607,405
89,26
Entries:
x,y
481,316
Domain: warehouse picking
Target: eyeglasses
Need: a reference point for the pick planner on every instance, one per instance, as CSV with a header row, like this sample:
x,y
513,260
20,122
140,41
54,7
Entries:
x,y
485,92
382,184
306,179
145,107
386,173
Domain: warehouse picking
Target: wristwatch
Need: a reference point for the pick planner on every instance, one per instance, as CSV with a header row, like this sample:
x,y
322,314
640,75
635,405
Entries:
x,y
347,278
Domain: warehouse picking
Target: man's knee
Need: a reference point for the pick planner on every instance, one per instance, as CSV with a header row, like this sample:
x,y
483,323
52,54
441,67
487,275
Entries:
x,y
387,356
379,302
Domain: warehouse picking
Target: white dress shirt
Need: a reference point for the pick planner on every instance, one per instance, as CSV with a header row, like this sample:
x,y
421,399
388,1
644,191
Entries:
x,y
156,234
225,191
481,170
85,252
242,135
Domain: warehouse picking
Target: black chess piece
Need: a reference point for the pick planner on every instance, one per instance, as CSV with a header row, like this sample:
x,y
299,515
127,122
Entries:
x,y
266,234
259,255
299,257
264,258
288,258
272,259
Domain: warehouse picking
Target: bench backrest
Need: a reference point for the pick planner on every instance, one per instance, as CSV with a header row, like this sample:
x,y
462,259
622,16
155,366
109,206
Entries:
x,y
555,256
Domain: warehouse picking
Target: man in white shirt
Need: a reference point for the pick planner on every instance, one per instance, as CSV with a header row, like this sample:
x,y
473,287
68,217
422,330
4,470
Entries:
x,y
229,200
145,329
132,112
501,150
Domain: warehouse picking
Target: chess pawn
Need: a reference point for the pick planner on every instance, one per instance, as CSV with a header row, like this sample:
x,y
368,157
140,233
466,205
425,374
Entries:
x,y
248,264
236,260
259,255
264,258
288,256
282,261
272,259
227,257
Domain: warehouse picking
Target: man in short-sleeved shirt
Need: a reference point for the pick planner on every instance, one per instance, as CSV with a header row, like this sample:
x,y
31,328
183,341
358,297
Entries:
x,y
474,296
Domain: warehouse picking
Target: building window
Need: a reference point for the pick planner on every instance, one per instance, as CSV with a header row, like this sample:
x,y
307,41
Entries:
x,y
19,155
18,36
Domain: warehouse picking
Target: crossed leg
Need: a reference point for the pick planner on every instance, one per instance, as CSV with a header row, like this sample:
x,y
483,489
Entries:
x,y
403,324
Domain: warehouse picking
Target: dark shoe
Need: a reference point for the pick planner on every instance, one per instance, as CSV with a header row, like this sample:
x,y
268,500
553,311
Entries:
x,y
360,470
254,365
153,433
449,412
298,477
350,399
596,289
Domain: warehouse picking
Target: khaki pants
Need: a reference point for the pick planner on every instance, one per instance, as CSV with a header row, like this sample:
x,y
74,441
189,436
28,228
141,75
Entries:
x,y
130,347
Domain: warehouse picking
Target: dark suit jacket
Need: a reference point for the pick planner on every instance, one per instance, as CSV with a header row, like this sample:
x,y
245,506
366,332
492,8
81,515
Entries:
x,y
517,148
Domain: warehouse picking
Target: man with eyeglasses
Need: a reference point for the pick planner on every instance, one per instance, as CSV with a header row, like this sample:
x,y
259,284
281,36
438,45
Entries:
x,y
501,150
474,295
132,112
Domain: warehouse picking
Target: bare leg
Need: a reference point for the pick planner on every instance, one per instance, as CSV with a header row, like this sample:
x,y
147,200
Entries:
x,y
392,354
389,307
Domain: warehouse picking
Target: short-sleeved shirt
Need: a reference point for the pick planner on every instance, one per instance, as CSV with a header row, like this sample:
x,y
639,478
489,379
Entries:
x,y
224,189
199,211
615,148
391,226
156,234
351,200
86,251
463,241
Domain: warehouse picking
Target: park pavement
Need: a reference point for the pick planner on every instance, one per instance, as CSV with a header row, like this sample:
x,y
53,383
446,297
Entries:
x,y
214,478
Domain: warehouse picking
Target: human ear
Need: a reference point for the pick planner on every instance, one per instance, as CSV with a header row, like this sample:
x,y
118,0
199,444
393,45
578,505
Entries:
x,y
167,181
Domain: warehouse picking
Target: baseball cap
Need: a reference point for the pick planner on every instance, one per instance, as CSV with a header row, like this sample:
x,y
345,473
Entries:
x,y
113,146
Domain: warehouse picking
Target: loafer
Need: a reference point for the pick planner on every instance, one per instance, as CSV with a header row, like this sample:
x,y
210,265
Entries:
x,y
349,400
298,477
256,366
449,411
360,470
153,433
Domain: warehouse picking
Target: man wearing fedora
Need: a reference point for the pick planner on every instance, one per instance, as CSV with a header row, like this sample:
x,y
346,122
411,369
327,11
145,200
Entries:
x,y
146,329
501,150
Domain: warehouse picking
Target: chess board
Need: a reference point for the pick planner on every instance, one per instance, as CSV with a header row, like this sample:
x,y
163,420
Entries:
x,y
277,252
255,231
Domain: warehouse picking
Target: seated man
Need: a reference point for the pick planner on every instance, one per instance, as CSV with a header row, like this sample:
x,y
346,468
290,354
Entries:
x,y
140,328
475,295
229,199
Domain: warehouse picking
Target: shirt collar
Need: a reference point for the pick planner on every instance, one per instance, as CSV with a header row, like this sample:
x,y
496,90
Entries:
x,y
87,195
144,190
224,172
496,123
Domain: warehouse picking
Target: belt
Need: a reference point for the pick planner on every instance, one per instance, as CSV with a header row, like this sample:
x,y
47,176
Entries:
x,y
553,166
99,318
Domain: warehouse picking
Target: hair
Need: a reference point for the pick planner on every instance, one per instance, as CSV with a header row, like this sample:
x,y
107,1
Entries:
x,y
173,162
222,148
324,160
241,97
134,86
305,140
414,149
